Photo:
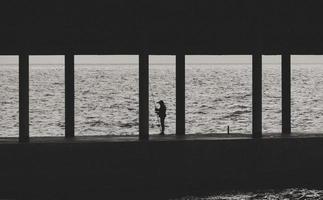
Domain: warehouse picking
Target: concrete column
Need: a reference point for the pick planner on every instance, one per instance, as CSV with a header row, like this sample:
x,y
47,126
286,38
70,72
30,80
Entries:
x,y
69,96
180,94
143,97
23,98
286,94
256,95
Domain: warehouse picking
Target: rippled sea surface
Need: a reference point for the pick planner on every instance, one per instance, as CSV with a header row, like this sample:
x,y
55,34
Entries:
x,y
106,99
291,193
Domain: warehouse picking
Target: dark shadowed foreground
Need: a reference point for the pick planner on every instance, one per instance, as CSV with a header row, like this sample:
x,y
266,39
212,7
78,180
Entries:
x,y
164,167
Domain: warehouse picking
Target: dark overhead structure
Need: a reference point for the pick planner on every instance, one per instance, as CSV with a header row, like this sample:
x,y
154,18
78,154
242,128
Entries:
x,y
162,27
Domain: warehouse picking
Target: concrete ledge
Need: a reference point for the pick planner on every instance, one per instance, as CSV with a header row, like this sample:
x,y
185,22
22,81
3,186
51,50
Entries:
x,y
158,168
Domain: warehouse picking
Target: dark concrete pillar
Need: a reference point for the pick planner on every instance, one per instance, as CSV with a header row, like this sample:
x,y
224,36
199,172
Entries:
x,y
69,95
256,95
180,94
286,94
143,97
23,98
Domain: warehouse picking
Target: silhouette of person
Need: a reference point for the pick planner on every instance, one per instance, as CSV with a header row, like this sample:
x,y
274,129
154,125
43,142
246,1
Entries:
x,y
161,112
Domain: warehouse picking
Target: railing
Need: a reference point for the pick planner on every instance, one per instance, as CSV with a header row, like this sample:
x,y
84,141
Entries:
x,y
144,96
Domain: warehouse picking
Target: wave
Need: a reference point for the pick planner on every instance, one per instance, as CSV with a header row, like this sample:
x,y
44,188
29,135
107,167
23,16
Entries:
x,y
96,123
236,114
238,107
128,125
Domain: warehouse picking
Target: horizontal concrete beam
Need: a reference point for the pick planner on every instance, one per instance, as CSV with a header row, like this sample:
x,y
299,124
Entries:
x,y
168,27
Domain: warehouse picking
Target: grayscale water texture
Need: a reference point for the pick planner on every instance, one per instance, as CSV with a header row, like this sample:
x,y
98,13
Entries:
x,y
107,101
286,194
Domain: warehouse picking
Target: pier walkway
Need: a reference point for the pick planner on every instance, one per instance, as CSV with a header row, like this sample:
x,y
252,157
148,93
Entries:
x,y
158,138
126,167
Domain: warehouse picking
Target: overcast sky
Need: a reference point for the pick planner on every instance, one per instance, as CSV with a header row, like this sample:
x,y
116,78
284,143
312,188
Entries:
x,y
121,59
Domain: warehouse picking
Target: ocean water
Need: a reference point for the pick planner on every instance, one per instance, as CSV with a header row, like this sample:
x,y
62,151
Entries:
x,y
217,97
290,193
106,99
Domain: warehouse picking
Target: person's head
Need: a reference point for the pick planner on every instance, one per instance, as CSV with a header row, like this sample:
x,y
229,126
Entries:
x,y
161,102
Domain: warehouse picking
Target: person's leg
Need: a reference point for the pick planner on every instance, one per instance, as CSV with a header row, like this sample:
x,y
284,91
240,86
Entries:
x,y
162,123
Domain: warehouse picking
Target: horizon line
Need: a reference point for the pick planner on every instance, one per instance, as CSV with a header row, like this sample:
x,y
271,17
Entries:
x,y
244,63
